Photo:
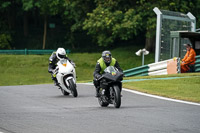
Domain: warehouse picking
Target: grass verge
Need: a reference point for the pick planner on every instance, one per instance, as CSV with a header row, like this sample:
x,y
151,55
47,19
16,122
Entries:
x,y
187,87
33,69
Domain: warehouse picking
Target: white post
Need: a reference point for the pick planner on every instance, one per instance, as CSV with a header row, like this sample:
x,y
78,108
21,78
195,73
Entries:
x,y
158,33
142,58
143,52
194,21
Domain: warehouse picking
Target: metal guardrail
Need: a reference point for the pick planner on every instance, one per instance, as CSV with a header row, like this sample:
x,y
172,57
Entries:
x,y
30,51
159,68
170,66
138,71
197,64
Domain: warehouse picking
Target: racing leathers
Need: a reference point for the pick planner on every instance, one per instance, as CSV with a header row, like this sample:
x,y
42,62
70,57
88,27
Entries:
x,y
100,67
52,65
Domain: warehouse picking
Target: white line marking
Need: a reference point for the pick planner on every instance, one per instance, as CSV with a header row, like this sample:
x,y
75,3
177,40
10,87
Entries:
x,y
154,96
159,97
86,83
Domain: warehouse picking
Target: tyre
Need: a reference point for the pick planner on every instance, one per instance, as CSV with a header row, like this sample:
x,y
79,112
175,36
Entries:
x,y
102,101
117,96
72,87
64,92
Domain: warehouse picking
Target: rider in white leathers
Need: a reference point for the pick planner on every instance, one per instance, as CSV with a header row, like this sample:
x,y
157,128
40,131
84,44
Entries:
x,y
53,59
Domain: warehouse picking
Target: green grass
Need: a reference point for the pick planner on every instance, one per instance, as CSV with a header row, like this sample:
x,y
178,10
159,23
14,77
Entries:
x,y
185,88
32,69
24,69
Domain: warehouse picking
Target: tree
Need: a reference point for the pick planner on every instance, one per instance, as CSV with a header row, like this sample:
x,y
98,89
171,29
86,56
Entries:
x,y
5,40
47,8
108,22
74,15
8,11
145,9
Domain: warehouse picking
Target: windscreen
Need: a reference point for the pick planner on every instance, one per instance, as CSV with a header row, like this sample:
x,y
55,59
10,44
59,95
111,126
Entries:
x,y
63,61
110,69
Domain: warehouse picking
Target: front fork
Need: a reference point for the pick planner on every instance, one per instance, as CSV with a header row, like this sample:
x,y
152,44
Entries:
x,y
66,81
109,92
111,89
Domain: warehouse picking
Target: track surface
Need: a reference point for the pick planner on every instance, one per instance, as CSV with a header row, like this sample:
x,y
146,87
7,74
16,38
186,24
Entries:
x,y
43,109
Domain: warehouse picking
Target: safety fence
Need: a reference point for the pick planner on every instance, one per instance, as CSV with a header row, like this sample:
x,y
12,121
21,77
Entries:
x,y
197,64
171,66
29,52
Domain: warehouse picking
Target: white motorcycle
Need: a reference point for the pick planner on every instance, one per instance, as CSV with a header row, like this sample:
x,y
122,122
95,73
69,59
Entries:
x,y
66,76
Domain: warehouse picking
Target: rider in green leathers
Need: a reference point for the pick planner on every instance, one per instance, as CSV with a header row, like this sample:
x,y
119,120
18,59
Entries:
x,y
105,61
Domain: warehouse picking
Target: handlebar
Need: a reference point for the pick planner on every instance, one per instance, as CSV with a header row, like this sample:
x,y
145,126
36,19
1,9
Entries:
x,y
100,78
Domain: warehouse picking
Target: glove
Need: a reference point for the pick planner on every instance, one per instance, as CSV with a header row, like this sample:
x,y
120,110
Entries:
x,y
74,65
98,77
55,71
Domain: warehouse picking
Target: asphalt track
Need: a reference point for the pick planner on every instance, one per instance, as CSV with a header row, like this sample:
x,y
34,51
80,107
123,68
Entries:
x,y
43,109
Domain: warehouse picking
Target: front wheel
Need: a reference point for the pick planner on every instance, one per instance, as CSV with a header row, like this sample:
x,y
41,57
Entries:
x,y
72,87
117,96
102,102
64,92
101,99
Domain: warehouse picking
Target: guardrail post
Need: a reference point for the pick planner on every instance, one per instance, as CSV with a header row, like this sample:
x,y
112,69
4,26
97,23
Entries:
x,y
68,51
25,51
178,65
197,63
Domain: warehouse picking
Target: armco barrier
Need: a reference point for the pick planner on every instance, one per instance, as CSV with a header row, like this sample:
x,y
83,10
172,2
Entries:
x,y
29,51
138,71
170,66
197,64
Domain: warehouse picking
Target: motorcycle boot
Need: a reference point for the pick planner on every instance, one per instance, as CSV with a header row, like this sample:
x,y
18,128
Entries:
x,y
53,77
56,82
97,87
97,91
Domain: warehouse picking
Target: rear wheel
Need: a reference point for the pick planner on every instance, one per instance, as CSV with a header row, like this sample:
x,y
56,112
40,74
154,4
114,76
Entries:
x,y
117,96
72,87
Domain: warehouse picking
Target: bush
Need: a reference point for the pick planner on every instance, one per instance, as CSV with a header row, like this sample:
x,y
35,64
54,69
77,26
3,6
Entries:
x,y
5,40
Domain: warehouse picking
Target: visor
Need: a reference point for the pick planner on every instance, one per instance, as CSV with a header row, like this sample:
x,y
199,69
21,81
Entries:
x,y
61,56
107,59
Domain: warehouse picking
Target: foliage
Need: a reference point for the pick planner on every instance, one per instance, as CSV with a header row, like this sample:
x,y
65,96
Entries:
x,y
47,7
106,23
149,17
75,12
5,40
7,9
73,16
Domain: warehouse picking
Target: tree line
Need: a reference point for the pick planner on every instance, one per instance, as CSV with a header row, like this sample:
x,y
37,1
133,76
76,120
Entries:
x,y
47,24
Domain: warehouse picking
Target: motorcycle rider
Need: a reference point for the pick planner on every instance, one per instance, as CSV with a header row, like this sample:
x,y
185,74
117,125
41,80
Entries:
x,y
53,59
105,61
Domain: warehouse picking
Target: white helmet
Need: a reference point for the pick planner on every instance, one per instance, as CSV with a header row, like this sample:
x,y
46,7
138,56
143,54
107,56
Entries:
x,y
61,53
